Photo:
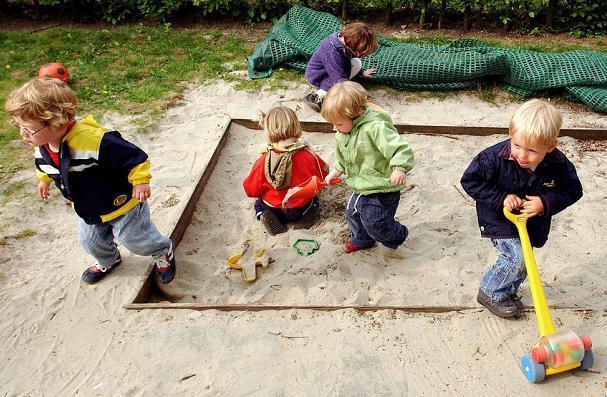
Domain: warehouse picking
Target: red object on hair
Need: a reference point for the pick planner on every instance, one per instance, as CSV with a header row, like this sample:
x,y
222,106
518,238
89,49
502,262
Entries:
x,y
54,70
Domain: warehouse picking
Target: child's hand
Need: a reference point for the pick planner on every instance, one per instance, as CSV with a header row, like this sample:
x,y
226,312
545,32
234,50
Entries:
x,y
513,202
369,72
398,177
43,189
334,174
142,192
533,206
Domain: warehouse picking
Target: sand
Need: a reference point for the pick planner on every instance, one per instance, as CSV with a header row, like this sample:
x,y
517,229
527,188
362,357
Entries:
x,y
63,337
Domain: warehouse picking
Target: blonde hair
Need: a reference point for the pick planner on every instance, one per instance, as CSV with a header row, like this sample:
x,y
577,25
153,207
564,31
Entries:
x,y
47,100
536,121
280,123
345,100
359,38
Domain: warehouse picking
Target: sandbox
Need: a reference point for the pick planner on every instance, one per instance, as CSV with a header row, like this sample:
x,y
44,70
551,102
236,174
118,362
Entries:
x,y
446,256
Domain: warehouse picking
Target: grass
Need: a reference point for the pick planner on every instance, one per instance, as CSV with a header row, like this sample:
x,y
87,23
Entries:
x,y
135,69
141,69
540,44
15,190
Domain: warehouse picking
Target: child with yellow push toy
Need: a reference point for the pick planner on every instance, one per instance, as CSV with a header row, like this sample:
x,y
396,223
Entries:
x,y
525,173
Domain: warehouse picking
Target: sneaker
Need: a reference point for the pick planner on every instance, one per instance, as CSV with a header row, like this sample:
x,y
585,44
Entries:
x,y
309,218
96,272
272,224
165,266
350,247
313,101
517,300
507,308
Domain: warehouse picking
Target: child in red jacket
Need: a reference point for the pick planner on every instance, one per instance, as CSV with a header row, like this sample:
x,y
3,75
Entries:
x,y
287,163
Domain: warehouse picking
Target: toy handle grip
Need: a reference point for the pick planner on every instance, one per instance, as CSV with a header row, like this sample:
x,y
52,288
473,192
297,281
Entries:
x,y
515,218
332,182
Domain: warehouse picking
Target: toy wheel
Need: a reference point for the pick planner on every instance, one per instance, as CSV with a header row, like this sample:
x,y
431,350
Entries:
x,y
534,372
588,360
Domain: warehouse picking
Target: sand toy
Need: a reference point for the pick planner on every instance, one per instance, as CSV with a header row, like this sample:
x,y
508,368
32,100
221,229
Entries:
x,y
248,260
306,191
554,352
306,246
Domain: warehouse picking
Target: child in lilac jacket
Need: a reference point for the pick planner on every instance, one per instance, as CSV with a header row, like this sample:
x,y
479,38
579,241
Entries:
x,y
336,59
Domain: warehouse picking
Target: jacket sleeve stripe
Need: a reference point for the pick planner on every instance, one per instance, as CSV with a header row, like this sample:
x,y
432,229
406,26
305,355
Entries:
x,y
48,169
84,154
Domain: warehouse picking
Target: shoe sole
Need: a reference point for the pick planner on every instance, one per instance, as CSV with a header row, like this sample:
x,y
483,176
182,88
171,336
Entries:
x,y
272,224
313,106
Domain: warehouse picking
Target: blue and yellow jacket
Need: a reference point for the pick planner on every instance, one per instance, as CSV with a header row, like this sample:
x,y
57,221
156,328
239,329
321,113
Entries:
x,y
97,171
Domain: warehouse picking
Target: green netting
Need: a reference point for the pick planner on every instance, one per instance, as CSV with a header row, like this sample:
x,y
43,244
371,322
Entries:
x,y
576,74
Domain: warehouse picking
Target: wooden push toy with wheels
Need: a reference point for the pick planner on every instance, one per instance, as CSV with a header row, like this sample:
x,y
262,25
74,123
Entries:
x,y
554,352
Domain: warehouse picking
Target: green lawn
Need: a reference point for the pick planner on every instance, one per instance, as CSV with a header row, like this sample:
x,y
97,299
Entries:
x,y
135,69
141,69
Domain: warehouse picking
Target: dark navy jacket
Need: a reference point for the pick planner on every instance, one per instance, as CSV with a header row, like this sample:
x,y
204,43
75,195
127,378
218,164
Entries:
x,y
330,63
492,176
97,171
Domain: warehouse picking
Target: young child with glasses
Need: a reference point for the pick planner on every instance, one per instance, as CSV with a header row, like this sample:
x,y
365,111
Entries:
x,y
105,177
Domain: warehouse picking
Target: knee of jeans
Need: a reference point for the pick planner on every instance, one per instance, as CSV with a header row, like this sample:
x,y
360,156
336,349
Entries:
x,y
379,231
519,261
516,264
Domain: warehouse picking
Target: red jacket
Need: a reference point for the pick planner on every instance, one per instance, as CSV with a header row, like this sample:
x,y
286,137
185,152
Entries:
x,y
305,165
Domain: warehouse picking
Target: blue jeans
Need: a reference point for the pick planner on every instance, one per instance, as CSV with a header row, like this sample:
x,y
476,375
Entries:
x,y
509,270
134,230
371,218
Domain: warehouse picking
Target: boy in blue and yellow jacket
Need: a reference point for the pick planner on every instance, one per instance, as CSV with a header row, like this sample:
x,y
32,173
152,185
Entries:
x,y
104,176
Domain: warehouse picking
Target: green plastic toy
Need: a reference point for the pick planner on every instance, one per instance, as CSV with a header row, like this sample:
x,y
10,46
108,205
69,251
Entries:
x,y
305,246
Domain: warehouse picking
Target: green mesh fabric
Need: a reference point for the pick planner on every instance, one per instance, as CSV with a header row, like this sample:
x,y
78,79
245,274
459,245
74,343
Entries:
x,y
579,75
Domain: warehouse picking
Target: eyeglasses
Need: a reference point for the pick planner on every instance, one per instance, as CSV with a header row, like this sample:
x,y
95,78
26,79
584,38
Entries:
x,y
25,130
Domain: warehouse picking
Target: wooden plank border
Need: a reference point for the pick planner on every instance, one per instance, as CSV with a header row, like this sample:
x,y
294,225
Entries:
x,y
326,308
316,126
149,284
142,300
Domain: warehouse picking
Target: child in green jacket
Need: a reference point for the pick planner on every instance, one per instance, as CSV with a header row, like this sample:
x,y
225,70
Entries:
x,y
374,158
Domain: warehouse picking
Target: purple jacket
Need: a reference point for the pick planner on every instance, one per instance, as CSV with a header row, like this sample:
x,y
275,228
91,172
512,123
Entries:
x,y
330,63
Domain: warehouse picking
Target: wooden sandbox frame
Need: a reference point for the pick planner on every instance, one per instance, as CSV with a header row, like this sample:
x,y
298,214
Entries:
x,y
149,287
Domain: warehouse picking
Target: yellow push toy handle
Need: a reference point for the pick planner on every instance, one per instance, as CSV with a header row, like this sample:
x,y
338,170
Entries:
x,y
542,312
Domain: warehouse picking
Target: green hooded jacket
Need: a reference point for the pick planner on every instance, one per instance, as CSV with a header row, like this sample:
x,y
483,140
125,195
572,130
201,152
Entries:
x,y
369,153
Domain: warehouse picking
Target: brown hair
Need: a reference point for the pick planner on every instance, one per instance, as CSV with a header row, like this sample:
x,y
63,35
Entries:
x,y
346,99
280,123
359,38
47,100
